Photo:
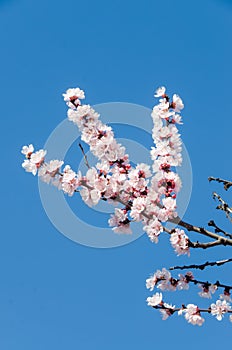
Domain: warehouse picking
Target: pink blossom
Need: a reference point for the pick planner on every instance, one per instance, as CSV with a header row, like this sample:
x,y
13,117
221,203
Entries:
x,y
153,229
138,206
48,171
180,242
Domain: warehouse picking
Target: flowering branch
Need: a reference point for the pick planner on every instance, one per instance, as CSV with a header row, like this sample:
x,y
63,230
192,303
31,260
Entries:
x,y
192,312
148,194
164,281
202,231
219,240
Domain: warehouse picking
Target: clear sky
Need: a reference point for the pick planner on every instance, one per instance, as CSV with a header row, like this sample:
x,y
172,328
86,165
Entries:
x,y
54,293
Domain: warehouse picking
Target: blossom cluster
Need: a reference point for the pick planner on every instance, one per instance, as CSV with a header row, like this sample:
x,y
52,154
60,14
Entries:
x,y
147,196
163,280
144,194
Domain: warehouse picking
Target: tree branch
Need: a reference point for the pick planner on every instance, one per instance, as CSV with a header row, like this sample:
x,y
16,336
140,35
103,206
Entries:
x,y
218,240
203,231
218,229
227,184
201,266
224,206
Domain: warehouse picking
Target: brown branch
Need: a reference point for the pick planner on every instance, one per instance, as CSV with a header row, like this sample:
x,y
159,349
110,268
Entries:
x,y
201,230
217,283
190,279
224,206
173,310
206,245
227,184
218,229
201,266
197,244
218,240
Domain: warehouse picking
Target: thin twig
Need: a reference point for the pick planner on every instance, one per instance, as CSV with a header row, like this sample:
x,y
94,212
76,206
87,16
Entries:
x,y
218,229
224,206
201,266
85,157
227,184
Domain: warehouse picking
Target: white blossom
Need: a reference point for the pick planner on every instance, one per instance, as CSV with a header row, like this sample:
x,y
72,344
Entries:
x,y
178,103
35,160
192,315
49,170
29,167
219,309
69,181
155,300
160,279
73,96
27,150
160,91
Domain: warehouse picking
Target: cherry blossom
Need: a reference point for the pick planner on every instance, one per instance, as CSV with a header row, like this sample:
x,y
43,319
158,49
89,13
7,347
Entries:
x,y
183,283
156,299
34,161
160,279
192,315
160,91
139,205
153,229
226,295
167,311
219,309
180,242
177,103
207,290
48,171
73,96
120,221
69,181
27,150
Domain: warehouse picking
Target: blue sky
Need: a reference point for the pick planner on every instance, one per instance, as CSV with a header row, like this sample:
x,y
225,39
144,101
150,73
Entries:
x,y
55,293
